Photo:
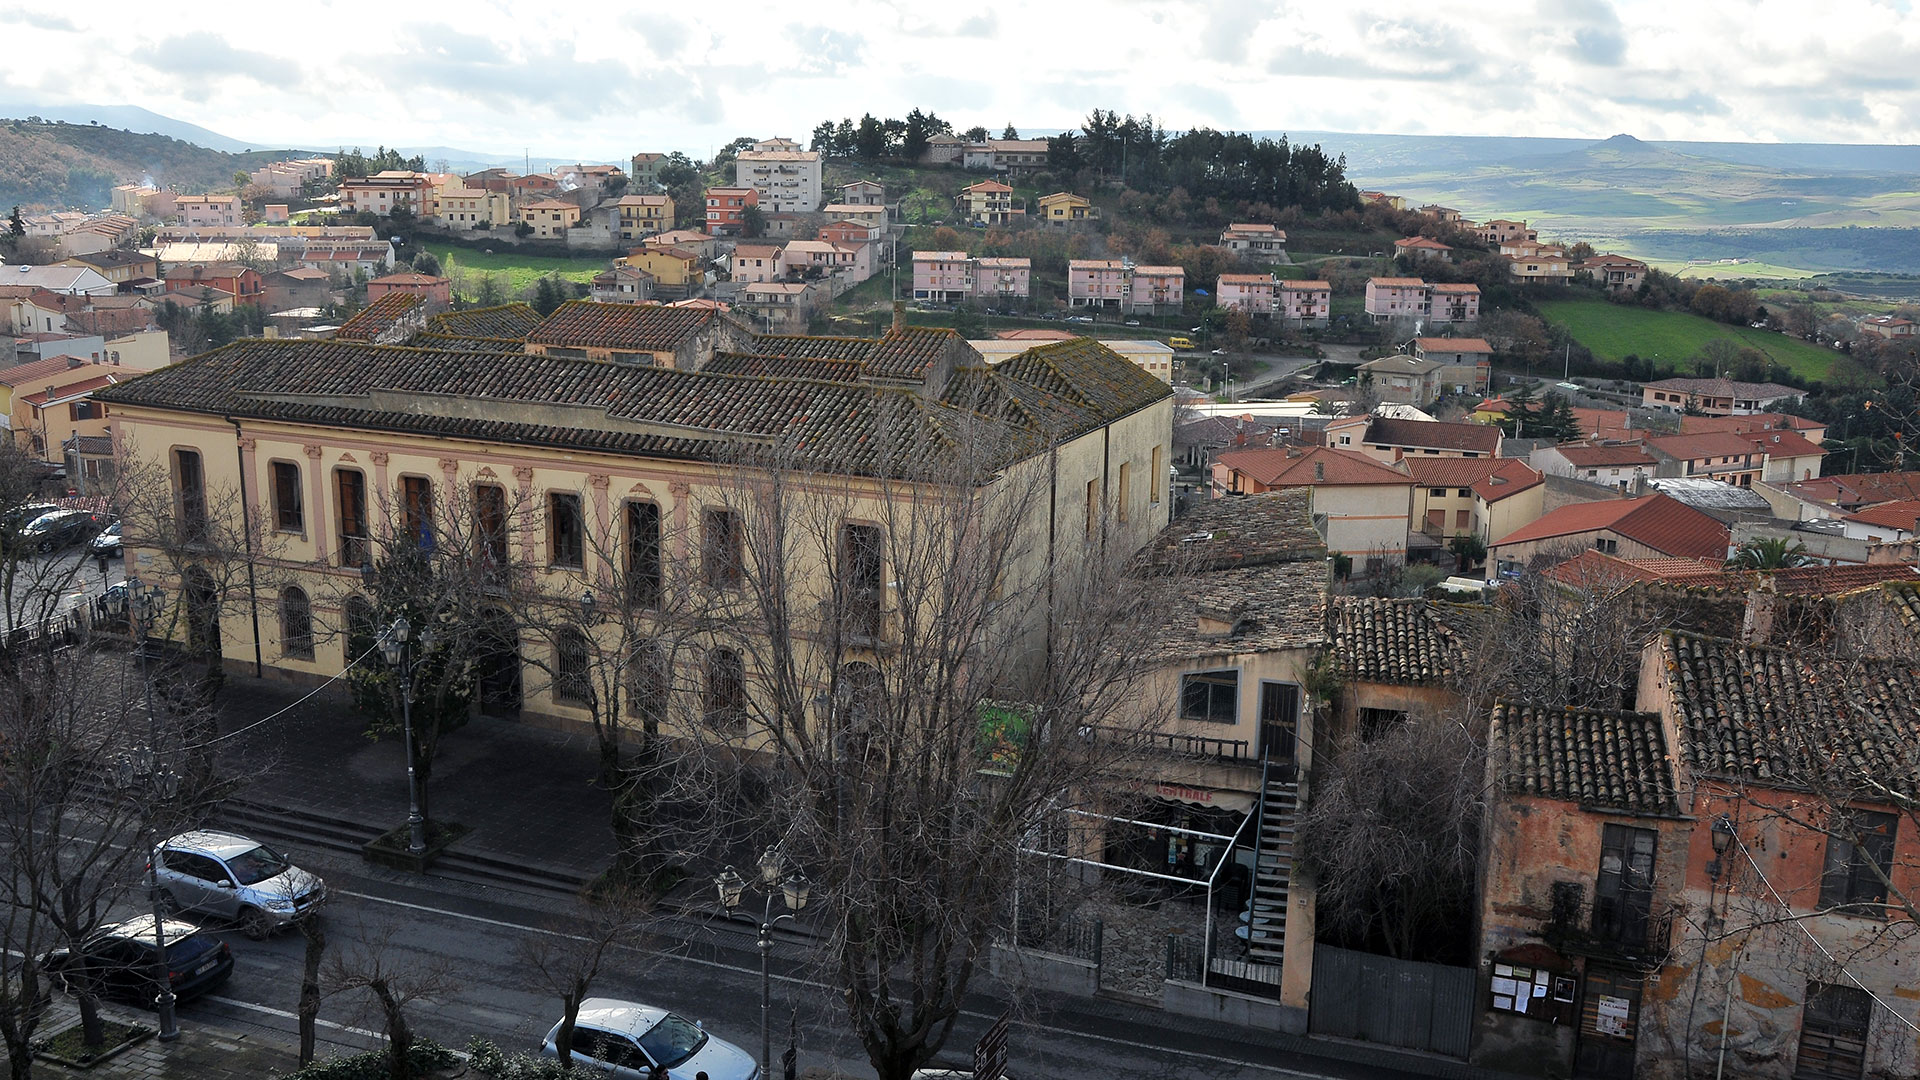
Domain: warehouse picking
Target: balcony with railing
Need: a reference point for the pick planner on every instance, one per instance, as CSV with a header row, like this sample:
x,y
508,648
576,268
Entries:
x,y
1178,744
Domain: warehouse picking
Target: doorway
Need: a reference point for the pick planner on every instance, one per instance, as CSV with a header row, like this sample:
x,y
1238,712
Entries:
x,y
1609,1018
497,661
1279,722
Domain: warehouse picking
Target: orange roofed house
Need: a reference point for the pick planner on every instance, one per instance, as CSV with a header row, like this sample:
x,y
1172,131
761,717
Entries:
x,y
1643,528
1364,503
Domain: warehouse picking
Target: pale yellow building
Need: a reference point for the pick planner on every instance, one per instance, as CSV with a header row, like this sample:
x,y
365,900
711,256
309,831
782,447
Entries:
x,y
342,447
549,218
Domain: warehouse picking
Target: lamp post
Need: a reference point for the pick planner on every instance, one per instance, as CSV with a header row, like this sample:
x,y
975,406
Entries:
x,y
143,605
793,892
392,642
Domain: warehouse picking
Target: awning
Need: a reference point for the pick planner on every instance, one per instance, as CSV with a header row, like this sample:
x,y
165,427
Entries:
x,y
1218,800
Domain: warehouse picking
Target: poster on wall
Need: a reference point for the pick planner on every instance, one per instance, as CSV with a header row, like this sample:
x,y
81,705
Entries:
x,y
1611,1015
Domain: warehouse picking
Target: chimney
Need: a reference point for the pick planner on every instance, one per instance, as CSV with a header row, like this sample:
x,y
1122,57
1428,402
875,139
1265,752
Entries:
x,y
899,315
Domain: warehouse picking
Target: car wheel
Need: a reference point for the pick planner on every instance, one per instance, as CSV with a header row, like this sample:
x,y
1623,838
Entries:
x,y
256,924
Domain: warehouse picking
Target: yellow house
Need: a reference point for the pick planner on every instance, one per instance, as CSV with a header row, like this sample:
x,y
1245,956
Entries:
x,y
549,218
1066,208
472,208
670,266
564,476
642,216
50,400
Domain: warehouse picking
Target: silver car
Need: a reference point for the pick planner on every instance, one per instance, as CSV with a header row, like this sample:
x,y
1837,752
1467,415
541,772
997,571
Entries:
x,y
218,873
627,1039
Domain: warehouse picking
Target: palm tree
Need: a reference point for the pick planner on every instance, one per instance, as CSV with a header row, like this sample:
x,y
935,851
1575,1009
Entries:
x,y
1770,553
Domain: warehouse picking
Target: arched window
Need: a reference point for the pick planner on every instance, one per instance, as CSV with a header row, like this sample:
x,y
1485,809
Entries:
x,y
649,684
571,681
296,624
726,691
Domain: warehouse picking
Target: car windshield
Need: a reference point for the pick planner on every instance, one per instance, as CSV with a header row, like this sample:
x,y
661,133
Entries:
x,y
673,1040
256,866
47,521
111,530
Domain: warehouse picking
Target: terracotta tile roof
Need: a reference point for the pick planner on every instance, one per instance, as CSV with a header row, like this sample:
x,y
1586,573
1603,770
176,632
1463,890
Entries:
x,y
1897,578
1596,571
1904,599
455,343
1421,242
1462,288
1004,262
1711,444
1733,703
784,367
1660,522
1782,444
75,389
1898,514
1246,279
1587,456
1393,641
1305,466
1453,344
1492,479
378,317
585,324
1854,490
1245,609
1306,286
1729,388
984,186
1433,434
1397,282
410,279
1218,534
1601,760
904,353
641,410
514,321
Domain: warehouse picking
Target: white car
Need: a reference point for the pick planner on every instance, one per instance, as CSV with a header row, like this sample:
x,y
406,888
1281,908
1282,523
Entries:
x,y
627,1039
219,873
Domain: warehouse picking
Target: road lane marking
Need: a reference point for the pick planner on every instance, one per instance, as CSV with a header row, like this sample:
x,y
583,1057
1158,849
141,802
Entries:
x,y
285,1015
1074,1032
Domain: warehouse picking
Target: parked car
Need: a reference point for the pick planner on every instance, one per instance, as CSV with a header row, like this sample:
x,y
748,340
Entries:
x,y
1079,318
219,873
1133,322
1219,352
626,1039
16,520
119,959
56,529
107,543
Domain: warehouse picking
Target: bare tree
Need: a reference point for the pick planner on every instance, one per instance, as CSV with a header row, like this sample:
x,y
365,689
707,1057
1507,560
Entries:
x,y
313,931
567,960
371,965
862,618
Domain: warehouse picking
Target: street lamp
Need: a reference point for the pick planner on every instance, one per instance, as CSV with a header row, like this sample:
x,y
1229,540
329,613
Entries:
x,y
1723,838
393,648
793,892
143,604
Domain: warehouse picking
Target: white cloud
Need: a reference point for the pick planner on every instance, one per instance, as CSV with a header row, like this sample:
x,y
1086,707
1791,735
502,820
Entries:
x,y
603,88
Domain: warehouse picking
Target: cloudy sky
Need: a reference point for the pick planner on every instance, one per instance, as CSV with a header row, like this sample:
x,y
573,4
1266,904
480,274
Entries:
x,y
600,81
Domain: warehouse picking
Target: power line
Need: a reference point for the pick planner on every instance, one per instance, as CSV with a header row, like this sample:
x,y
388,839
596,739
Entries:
x,y
1802,927
288,708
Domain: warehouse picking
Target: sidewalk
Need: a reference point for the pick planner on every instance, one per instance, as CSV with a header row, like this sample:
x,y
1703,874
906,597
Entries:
x,y
527,793
203,1051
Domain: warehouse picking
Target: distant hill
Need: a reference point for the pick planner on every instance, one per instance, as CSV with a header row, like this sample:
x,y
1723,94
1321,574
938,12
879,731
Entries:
x,y
1669,200
56,166
130,118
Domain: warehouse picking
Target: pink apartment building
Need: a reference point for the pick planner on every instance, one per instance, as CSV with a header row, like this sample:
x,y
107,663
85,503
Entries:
x,y
205,210
1455,303
1303,302
1251,293
944,277
1002,279
1157,290
1097,283
758,263
384,192
1398,298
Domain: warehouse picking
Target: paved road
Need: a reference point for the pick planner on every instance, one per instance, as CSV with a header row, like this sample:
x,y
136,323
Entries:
x,y
698,968
45,586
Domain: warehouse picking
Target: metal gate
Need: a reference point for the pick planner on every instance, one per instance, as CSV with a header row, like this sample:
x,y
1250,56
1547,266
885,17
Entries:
x,y
1393,1002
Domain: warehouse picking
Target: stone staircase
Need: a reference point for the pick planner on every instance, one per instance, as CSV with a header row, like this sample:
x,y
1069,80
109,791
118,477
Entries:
x,y
1273,867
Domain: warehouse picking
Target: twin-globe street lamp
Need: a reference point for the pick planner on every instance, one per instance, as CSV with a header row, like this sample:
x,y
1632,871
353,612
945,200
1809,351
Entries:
x,y
142,605
793,892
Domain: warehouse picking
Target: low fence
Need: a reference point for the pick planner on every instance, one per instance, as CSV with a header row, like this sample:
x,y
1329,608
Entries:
x,y
1189,960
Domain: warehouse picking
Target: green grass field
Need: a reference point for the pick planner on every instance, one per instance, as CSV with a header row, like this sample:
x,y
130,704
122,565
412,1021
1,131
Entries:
x,y
517,272
1671,338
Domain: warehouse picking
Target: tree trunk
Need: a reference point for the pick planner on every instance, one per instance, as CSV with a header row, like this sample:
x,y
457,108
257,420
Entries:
x,y
399,1035
563,1038
316,936
20,1060
93,1031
